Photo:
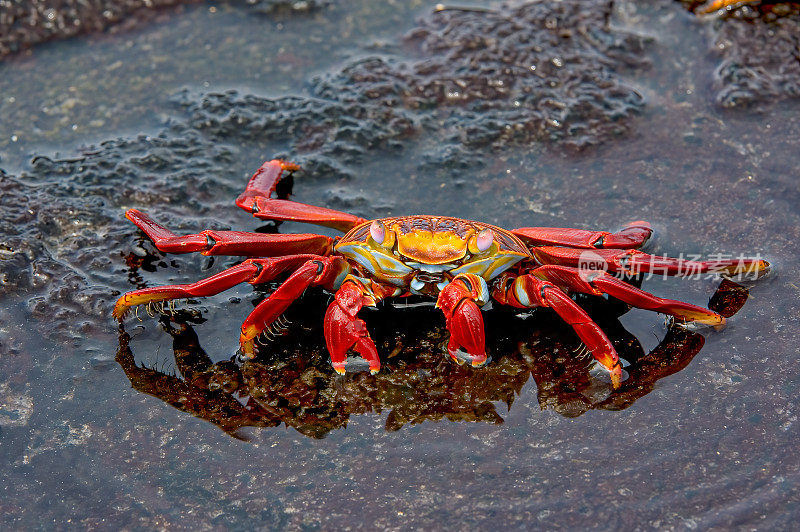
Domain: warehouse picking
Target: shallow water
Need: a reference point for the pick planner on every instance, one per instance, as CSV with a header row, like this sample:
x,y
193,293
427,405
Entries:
x,y
143,119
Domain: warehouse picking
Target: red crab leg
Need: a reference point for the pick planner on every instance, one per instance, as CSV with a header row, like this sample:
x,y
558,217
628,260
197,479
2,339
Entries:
x,y
464,320
527,291
325,271
634,262
344,330
634,235
256,200
237,243
251,271
600,282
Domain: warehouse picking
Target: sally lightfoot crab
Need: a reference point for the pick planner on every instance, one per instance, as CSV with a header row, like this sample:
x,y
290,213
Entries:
x,y
462,264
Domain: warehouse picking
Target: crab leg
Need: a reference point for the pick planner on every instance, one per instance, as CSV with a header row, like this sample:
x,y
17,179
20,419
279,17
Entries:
x,y
251,271
256,200
343,330
528,291
600,282
325,271
635,262
464,321
633,235
237,243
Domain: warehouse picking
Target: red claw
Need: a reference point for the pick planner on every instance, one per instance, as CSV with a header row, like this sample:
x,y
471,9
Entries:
x,y
343,330
464,319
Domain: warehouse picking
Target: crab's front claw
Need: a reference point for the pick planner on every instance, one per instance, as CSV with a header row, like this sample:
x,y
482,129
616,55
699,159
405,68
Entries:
x,y
466,333
344,330
464,319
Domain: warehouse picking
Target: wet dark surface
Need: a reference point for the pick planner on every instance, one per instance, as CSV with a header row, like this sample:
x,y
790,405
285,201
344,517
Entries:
x,y
758,45
25,23
633,111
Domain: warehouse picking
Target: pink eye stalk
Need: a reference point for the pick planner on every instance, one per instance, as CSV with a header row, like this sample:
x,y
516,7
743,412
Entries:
x,y
377,231
484,240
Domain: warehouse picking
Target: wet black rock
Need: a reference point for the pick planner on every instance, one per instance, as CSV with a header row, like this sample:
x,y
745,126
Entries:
x,y
758,45
475,78
326,130
526,72
760,59
62,229
25,23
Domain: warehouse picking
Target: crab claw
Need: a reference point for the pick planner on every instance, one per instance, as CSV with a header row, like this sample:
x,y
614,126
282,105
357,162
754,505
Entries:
x,y
464,319
343,330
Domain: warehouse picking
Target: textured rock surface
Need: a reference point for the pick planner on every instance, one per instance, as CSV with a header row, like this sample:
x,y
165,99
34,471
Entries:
x,y
24,23
476,78
758,46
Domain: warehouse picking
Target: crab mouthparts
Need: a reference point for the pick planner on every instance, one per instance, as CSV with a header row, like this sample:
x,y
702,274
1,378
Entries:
x,y
427,283
427,277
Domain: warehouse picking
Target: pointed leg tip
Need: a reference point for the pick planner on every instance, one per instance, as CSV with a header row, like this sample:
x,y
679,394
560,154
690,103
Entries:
x,y
374,371
717,321
339,369
247,348
120,310
455,358
640,223
480,362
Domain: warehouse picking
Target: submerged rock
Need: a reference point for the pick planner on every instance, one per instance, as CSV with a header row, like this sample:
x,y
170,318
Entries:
x,y
758,45
472,78
25,23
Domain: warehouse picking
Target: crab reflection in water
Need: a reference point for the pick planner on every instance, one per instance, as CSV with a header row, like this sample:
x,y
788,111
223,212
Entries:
x,y
293,385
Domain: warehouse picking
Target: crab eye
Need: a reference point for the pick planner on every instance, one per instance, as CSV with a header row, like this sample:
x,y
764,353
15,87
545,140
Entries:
x,y
377,231
484,240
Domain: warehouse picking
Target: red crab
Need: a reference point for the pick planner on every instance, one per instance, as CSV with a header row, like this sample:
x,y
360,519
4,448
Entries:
x,y
463,264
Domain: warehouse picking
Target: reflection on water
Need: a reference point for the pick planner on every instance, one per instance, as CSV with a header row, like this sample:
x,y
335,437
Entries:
x,y
294,384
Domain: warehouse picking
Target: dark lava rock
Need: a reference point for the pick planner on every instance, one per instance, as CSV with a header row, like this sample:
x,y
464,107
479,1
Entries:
x,y
760,50
760,58
527,72
533,72
62,227
29,22
24,23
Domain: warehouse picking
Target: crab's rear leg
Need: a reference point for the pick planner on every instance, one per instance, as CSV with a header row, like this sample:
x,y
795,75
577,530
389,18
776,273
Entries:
x,y
256,200
344,330
528,291
459,302
600,282
634,262
252,271
236,243
633,235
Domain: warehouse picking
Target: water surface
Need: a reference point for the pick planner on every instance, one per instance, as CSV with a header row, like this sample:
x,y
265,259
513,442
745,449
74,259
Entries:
x,y
145,119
